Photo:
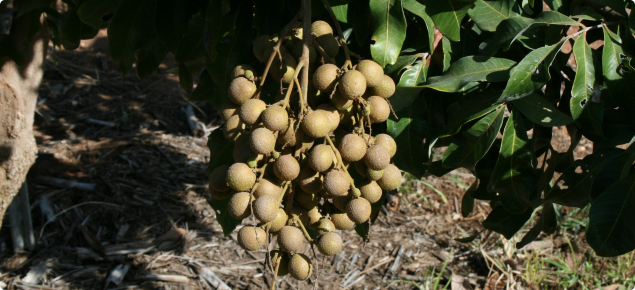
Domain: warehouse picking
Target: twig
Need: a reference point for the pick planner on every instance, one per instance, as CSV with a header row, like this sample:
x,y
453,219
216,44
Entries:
x,y
321,51
70,184
347,63
593,27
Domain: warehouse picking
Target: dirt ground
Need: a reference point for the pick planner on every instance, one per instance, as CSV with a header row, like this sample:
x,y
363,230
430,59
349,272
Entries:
x,y
120,183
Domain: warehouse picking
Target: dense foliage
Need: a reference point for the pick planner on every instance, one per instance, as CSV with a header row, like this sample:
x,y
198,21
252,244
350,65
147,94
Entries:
x,y
487,79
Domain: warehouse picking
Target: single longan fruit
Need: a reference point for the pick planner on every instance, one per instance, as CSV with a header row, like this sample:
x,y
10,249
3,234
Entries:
x,y
240,90
243,154
358,210
304,144
325,77
261,44
233,128
240,177
275,118
340,102
266,208
284,74
300,267
329,244
340,202
316,124
374,174
342,221
266,187
218,195
372,72
385,88
337,183
290,239
251,238
262,141
370,190
279,221
251,110
332,114
324,36
321,27
321,157
289,136
218,178
309,180
238,206
228,109
307,200
388,142
352,148
352,85
286,168
391,178
377,157
243,70
325,226
379,109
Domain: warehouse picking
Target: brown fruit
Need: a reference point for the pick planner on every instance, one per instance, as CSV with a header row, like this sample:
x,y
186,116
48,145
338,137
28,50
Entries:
x,y
300,267
243,70
240,177
233,128
337,183
372,72
340,202
391,178
358,210
283,73
313,218
262,141
266,187
283,267
377,157
324,36
325,77
329,244
275,118
288,136
261,44
352,85
238,206
228,109
325,226
279,221
290,239
373,174
243,154
309,180
342,221
388,143
286,168
340,102
379,109
217,178
266,208
240,90
306,200
352,148
321,157
316,124
370,191
251,110
251,238
218,195
332,114
385,88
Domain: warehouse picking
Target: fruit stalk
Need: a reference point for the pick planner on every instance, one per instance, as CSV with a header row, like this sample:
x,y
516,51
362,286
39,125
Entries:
x,y
306,41
339,160
347,64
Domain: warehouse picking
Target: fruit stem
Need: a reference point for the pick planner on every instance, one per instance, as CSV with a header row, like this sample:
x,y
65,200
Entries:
x,y
321,51
347,64
306,234
276,51
284,190
276,260
306,42
341,163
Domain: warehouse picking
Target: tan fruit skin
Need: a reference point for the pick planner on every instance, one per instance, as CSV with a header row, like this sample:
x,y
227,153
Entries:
x,y
329,244
300,267
286,168
358,210
352,85
342,221
377,157
240,177
391,178
352,148
240,90
250,239
290,239
266,208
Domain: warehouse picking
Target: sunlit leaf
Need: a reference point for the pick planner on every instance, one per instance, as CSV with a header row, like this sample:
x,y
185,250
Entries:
x,y
447,15
390,30
488,14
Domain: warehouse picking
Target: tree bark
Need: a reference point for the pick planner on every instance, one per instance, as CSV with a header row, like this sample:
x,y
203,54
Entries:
x,y
19,87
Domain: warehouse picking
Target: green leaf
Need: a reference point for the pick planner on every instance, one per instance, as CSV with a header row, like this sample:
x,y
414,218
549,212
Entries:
x,y
149,59
390,31
418,9
446,46
402,62
415,75
92,11
621,85
130,28
226,222
340,9
506,223
611,231
488,14
467,150
584,109
191,46
73,30
511,29
204,88
617,5
531,73
406,91
170,22
587,13
540,111
513,173
471,69
531,235
467,202
409,131
447,15
474,106
221,150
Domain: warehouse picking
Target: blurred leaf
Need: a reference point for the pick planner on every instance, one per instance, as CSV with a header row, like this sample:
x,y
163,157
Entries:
x,y
531,235
191,46
467,150
506,223
617,5
488,14
550,220
513,173
537,109
468,239
185,78
467,202
587,13
130,28
226,222
531,73
25,6
447,15
418,9
390,31
409,131
621,84
611,231
149,58
92,11
474,106
204,88
74,30
171,22
470,69
509,30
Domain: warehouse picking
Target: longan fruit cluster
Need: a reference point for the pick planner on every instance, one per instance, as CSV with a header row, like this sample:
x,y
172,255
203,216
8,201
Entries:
x,y
293,158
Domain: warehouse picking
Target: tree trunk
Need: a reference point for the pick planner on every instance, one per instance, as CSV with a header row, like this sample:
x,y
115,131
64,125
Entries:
x,y
18,96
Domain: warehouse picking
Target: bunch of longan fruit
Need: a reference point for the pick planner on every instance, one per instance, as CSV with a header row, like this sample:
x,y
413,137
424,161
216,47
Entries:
x,y
293,157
